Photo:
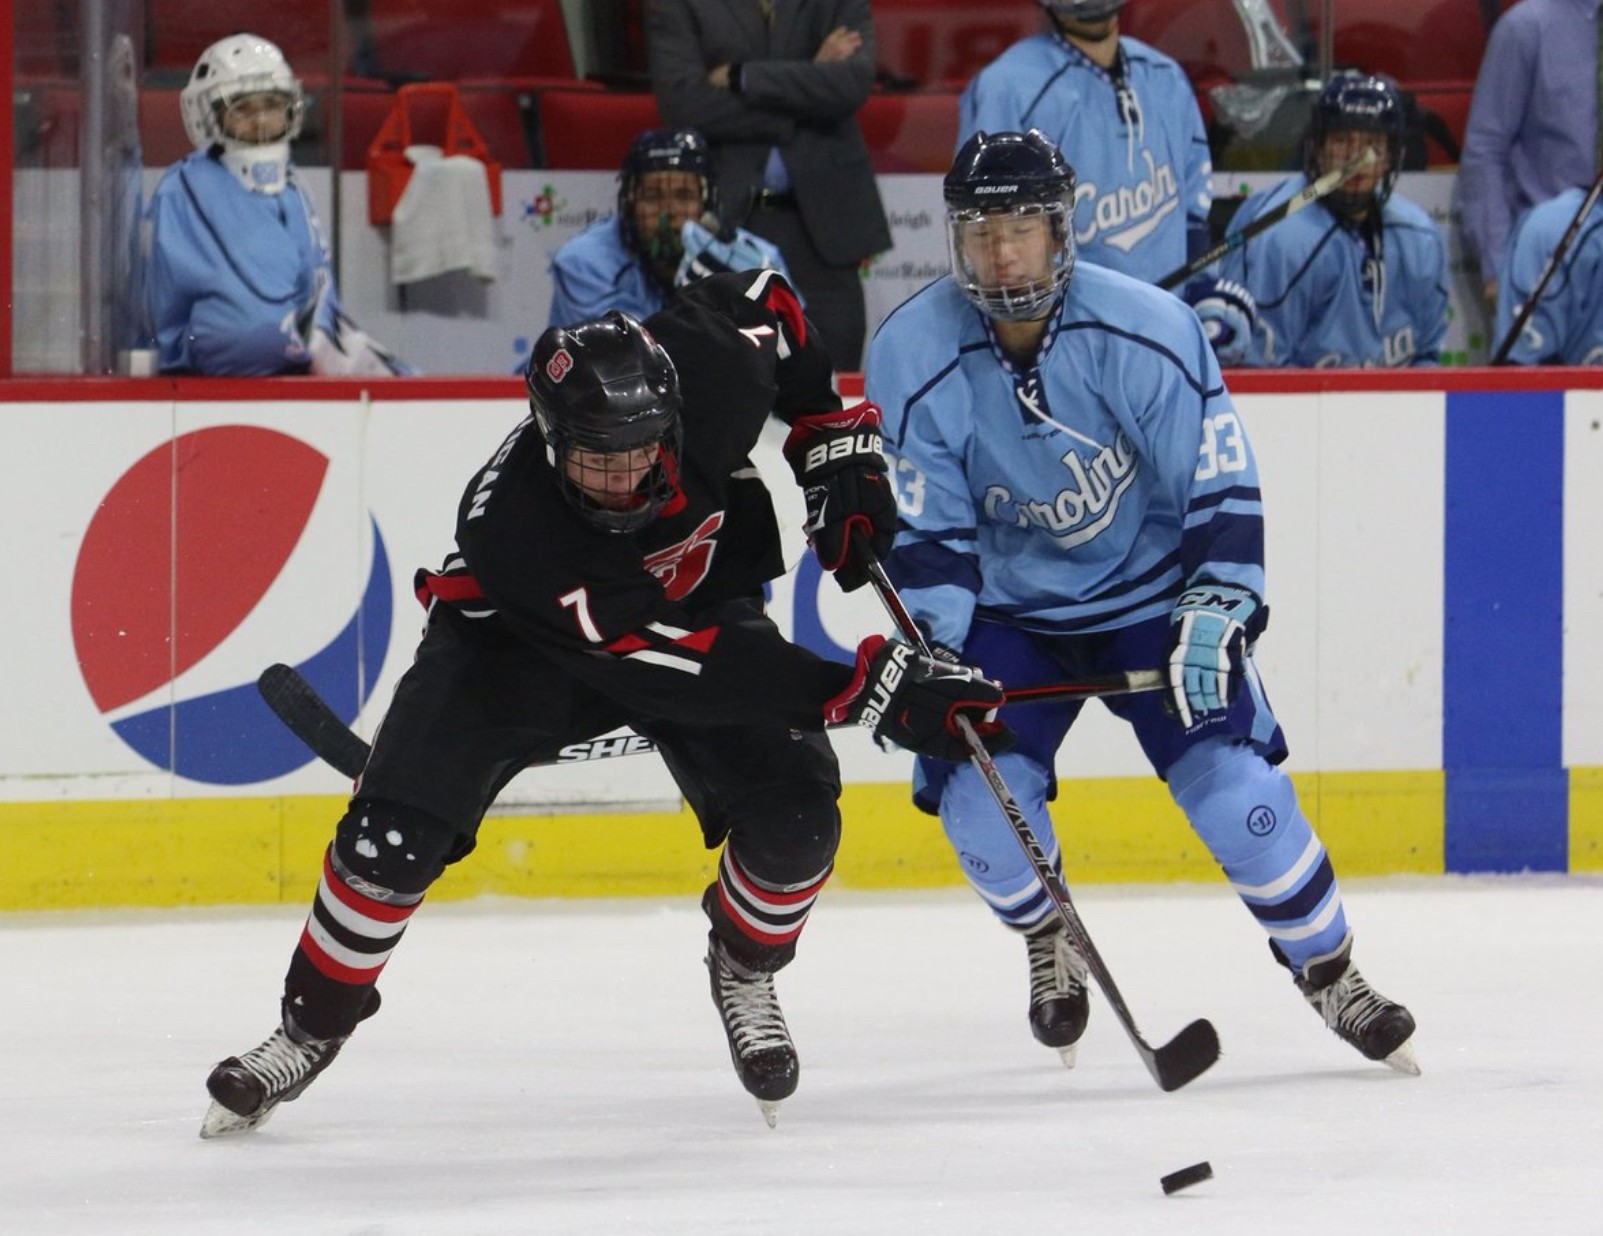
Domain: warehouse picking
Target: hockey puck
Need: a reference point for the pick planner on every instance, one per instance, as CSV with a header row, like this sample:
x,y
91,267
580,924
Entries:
x,y
1186,1176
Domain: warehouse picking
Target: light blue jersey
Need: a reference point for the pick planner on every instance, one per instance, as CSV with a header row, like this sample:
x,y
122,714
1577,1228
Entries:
x,y
1329,297
1081,496
1566,327
596,272
1137,146
236,280
1050,521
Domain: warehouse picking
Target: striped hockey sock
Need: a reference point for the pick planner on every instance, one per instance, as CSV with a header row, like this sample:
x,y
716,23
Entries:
x,y
349,935
769,917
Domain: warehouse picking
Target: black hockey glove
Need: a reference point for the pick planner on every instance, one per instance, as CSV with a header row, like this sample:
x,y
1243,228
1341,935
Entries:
x,y
838,463
913,701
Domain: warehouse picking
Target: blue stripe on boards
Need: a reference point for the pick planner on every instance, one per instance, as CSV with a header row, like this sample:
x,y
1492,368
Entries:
x,y
1507,805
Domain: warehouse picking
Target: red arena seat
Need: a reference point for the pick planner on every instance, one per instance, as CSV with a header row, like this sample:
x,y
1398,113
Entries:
x,y
45,39
1428,40
162,139
1449,103
945,42
179,30
592,129
910,132
446,40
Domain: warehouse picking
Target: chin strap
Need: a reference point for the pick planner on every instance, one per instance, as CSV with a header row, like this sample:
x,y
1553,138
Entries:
x,y
260,168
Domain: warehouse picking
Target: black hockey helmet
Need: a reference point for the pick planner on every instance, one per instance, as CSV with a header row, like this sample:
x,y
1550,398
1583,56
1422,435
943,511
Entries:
x,y
997,176
662,150
1081,10
1364,103
606,387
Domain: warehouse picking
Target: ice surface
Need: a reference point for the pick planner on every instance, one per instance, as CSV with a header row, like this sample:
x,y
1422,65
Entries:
x,y
557,1067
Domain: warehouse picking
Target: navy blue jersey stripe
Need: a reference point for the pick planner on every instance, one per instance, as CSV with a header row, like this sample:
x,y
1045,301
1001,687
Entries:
x,y
931,565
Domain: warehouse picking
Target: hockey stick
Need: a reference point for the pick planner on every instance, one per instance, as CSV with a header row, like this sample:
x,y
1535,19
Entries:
x,y
1500,357
1305,196
307,714
1183,1058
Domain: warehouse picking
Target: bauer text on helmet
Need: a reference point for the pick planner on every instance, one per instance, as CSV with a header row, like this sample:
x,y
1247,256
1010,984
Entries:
x,y
1009,210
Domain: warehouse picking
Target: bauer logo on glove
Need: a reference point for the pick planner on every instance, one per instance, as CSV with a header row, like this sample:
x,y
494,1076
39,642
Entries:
x,y
913,701
838,462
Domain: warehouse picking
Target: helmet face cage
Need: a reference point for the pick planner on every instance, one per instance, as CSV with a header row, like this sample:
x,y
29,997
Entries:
x,y
662,150
1364,104
606,390
1010,188
229,70
1081,10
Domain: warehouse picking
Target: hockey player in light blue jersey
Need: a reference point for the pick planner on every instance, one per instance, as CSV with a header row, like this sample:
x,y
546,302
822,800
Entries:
x,y
1359,279
239,281
1077,496
1566,326
1125,115
632,260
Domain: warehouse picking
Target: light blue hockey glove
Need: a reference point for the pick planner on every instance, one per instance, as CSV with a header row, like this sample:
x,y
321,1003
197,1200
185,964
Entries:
x,y
712,253
1210,624
1229,316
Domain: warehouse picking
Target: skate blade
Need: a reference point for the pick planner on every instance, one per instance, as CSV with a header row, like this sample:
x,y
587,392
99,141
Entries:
x,y
1404,1060
770,1110
220,1122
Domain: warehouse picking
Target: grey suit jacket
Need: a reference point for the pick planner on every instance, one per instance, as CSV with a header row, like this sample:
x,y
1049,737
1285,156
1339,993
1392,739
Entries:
x,y
807,110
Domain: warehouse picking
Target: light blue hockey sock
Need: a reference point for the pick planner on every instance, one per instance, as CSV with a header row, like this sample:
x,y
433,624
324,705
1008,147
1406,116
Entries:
x,y
992,859
1245,810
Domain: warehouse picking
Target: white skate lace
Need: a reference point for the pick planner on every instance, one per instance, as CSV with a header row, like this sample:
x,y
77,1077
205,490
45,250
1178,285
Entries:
x,y
751,1012
1056,967
1351,1004
281,1062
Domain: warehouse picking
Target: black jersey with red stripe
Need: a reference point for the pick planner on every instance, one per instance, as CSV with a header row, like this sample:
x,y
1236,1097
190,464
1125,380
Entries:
x,y
662,619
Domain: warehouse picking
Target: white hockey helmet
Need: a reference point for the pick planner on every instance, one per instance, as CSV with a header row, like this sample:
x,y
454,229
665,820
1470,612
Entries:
x,y
228,70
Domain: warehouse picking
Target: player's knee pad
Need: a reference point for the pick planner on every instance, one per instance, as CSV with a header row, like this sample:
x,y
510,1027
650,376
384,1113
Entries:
x,y
1243,807
992,859
396,848
970,814
791,840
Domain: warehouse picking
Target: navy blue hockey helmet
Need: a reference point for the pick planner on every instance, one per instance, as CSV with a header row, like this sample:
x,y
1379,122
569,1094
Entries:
x,y
1362,103
998,183
662,150
1081,10
603,390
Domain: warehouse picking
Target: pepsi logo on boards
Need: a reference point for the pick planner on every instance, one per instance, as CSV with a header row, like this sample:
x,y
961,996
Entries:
x,y
183,548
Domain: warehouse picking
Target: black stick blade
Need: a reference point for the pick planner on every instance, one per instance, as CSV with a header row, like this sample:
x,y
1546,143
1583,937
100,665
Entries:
x,y
1186,1057
308,716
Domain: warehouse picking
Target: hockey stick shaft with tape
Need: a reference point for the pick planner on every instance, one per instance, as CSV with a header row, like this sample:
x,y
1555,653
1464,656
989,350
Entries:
x,y
311,719
1191,1052
1555,259
1307,196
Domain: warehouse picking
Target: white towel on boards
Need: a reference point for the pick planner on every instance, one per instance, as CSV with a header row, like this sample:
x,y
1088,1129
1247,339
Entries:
x,y
442,222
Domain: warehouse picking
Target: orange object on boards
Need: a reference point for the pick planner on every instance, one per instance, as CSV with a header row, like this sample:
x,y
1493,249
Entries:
x,y
437,108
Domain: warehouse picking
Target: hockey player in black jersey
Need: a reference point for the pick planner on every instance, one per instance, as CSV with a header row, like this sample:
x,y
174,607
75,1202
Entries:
x,y
608,572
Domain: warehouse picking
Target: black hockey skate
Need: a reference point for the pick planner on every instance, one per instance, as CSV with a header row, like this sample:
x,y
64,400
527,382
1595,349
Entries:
x,y
1379,1028
1060,1004
247,1089
759,1041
